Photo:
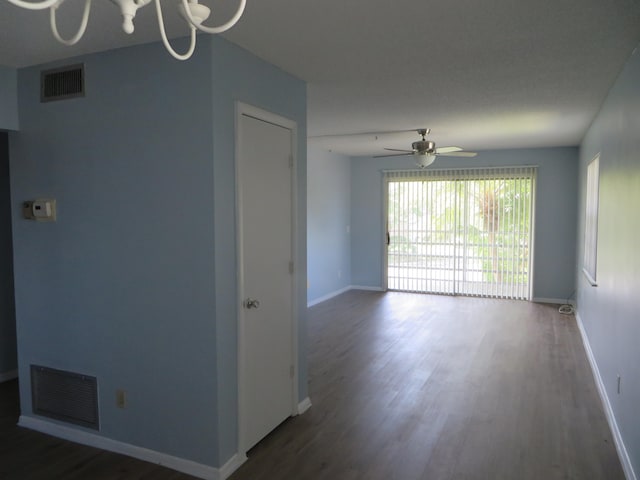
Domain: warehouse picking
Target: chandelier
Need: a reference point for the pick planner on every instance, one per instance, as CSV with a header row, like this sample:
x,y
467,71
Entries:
x,y
194,13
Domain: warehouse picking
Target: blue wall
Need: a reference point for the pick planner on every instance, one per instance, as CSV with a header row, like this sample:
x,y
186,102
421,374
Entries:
x,y
120,286
328,223
8,354
8,98
239,76
135,283
609,312
555,226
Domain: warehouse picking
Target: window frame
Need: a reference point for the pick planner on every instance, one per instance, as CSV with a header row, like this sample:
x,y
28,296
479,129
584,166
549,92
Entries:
x,y
460,282
592,205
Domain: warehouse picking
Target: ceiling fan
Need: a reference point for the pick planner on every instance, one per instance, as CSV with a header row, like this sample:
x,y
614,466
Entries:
x,y
425,152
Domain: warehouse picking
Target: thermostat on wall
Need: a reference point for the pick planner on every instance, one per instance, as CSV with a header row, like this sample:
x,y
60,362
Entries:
x,y
41,209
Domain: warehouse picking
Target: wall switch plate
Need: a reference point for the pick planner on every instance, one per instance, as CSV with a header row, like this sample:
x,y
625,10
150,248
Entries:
x,y
40,209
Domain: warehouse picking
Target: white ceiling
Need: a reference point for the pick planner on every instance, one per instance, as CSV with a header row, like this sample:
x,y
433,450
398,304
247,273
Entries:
x,y
481,75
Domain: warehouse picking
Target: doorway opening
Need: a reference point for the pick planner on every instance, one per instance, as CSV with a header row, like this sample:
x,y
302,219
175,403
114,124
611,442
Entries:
x,y
461,231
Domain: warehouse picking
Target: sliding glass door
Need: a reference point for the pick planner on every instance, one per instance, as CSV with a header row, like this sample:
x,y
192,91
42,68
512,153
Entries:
x,y
466,232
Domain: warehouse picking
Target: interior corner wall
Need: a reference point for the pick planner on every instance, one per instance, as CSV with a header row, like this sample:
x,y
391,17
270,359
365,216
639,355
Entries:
x,y
239,76
8,351
555,222
8,98
121,285
328,223
609,312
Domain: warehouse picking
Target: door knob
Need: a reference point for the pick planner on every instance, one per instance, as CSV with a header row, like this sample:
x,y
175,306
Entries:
x,y
251,303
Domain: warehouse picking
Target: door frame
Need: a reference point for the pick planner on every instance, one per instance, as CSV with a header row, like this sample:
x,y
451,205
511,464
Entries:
x,y
269,117
385,233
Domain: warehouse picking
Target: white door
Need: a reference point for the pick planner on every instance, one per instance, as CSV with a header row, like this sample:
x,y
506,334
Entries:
x,y
266,342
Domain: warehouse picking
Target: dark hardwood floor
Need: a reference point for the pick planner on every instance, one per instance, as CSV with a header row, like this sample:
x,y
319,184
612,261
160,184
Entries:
x,y
29,455
403,387
409,386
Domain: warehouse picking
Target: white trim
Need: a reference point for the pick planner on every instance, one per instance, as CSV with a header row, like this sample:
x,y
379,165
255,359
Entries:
x,y
364,287
385,231
611,418
269,117
344,290
304,405
240,281
10,375
91,439
557,301
329,296
457,169
591,207
231,466
532,231
592,281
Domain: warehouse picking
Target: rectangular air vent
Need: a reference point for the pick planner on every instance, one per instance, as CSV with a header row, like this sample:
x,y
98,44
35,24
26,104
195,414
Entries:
x,y
62,83
67,396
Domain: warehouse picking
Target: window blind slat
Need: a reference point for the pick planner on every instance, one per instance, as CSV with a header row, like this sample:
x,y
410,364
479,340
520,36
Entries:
x,y
459,231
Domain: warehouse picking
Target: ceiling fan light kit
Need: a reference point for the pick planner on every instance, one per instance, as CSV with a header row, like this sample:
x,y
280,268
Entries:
x,y
424,151
423,160
193,13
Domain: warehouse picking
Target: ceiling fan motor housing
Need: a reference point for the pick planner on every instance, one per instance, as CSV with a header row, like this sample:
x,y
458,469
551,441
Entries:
x,y
425,146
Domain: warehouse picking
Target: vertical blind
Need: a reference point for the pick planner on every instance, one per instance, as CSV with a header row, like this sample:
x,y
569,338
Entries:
x,y
460,231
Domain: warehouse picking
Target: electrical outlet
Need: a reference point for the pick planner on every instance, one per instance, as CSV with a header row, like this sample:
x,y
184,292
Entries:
x,y
121,398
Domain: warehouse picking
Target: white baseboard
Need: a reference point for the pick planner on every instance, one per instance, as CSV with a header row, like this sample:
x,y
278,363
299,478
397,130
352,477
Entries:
x,y
557,301
85,438
611,419
329,296
231,466
364,287
6,376
304,405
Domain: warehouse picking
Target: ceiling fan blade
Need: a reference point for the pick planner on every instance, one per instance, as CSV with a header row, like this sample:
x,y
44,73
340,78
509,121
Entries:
x,y
393,155
400,150
457,154
448,149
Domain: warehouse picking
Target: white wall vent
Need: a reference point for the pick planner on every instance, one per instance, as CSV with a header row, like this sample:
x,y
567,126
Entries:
x,y
67,396
62,83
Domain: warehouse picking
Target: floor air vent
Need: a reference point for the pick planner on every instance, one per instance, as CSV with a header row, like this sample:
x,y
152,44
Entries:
x,y
62,83
70,397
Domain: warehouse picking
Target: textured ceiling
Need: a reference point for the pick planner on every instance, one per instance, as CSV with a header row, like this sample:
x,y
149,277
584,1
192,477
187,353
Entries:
x,y
481,75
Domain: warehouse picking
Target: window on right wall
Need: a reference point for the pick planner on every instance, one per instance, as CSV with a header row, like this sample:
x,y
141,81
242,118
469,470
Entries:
x,y
591,221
